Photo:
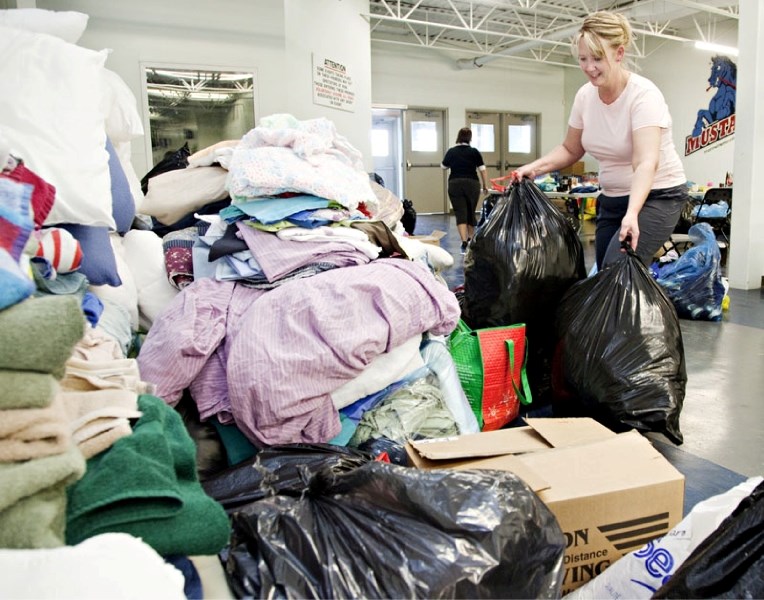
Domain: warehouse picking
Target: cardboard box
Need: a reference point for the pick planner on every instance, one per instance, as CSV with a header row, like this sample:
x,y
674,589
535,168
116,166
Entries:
x,y
433,238
611,493
577,168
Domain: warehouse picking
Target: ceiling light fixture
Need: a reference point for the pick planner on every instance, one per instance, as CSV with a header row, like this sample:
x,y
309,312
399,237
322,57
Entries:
x,y
716,48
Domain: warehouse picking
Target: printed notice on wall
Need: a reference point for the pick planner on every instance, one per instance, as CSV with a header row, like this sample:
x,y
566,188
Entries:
x,y
332,85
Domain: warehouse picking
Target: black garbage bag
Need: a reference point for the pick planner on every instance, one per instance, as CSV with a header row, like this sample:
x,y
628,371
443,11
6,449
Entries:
x,y
693,282
485,210
519,264
729,563
387,531
283,469
408,220
172,161
620,351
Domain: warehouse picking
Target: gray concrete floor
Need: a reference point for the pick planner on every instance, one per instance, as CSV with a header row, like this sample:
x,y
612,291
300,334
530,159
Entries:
x,y
723,415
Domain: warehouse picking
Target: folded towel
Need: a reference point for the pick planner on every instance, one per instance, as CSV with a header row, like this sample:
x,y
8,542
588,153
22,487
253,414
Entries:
x,y
27,433
99,418
33,499
26,389
38,334
103,566
90,375
146,485
91,443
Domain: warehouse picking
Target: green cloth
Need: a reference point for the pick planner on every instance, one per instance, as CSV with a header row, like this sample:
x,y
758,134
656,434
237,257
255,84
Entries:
x,y
237,447
26,389
33,499
146,485
346,433
39,334
414,409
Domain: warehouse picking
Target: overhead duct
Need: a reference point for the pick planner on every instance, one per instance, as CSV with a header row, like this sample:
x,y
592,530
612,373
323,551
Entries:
x,y
479,61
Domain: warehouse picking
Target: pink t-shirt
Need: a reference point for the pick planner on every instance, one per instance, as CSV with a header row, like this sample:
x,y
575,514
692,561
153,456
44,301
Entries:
x,y
607,132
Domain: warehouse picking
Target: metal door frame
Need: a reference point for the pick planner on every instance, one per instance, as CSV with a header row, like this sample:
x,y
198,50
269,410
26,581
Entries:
x,y
445,206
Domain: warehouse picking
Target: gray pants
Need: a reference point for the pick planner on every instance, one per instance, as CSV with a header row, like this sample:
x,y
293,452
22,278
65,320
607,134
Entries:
x,y
657,221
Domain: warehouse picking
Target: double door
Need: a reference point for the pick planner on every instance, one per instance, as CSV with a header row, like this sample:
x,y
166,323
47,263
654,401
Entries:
x,y
506,140
408,145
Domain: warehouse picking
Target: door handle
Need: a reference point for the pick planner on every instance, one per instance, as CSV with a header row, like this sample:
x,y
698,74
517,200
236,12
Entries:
x,y
408,165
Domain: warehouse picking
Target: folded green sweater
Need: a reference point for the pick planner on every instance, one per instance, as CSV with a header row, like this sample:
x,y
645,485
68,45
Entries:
x,y
146,485
39,334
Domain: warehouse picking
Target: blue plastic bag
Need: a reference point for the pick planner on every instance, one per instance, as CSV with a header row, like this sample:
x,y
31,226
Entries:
x,y
694,281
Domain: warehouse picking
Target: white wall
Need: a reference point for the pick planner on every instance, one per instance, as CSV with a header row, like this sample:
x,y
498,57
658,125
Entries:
x,y
681,72
427,78
186,32
309,28
243,34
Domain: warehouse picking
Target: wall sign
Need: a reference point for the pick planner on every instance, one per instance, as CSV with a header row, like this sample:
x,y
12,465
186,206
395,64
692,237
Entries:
x,y
332,85
718,121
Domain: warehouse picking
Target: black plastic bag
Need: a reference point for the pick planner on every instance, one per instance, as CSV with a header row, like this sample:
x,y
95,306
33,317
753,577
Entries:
x,y
283,469
693,282
172,161
519,264
729,563
620,351
386,531
408,220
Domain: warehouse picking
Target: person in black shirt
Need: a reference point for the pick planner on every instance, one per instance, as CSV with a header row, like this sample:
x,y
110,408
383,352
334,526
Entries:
x,y
465,162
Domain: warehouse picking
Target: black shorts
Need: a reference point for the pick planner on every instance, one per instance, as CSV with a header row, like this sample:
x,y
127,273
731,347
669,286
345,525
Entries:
x,y
464,194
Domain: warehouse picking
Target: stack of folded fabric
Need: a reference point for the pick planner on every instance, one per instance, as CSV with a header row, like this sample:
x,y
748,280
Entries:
x,y
37,457
146,485
100,391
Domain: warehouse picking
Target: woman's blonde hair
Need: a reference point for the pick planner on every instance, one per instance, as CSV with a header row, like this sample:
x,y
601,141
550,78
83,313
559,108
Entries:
x,y
603,28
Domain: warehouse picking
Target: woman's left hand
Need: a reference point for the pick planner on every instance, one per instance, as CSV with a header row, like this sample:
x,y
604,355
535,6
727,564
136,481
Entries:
x,y
630,230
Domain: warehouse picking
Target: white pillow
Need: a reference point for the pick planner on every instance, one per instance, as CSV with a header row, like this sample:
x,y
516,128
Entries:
x,y
67,25
123,121
145,257
51,112
126,295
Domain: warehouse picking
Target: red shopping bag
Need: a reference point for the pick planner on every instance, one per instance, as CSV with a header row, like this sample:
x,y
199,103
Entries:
x,y
490,363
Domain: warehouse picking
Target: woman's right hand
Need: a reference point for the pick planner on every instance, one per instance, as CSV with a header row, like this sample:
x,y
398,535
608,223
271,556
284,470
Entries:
x,y
524,171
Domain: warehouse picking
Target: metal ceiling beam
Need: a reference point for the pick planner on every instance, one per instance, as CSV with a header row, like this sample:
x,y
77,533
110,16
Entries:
x,y
731,13
493,24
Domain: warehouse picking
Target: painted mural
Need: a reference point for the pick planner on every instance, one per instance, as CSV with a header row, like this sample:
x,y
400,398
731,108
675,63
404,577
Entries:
x,y
717,122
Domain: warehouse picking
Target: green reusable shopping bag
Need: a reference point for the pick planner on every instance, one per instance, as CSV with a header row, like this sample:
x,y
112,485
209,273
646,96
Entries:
x,y
493,381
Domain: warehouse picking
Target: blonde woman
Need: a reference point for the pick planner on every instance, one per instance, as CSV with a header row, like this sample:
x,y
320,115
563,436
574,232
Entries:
x,y
622,120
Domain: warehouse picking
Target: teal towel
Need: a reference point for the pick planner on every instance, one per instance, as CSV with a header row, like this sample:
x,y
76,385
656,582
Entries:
x,y
26,389
146,485
237,447
33,499
39,334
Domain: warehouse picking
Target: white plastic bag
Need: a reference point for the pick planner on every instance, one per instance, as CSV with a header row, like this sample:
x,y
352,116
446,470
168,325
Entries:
x,y
639,574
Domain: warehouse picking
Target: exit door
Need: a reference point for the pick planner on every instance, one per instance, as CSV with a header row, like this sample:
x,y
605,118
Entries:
x,y
424,147
506,140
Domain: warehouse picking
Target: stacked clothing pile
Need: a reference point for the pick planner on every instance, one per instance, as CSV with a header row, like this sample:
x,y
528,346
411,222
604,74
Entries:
x,y
298,286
